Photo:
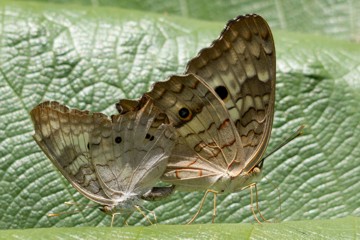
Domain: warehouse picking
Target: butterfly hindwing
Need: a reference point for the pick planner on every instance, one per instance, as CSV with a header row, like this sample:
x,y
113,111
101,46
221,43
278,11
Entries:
x,y
63,135
208,142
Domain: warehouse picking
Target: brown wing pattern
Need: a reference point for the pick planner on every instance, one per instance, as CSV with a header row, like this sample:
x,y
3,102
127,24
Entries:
x,y
240,67
208,142
126,105
63,134
130,152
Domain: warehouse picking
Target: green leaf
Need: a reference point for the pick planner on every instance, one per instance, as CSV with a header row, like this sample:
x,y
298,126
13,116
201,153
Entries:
x,y
346,228
89,57
339,19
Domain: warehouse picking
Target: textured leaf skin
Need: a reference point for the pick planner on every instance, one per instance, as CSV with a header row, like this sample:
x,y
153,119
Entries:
x,y
337,19
89,57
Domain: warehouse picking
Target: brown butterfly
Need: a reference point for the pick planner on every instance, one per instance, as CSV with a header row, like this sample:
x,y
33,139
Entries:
x,y
114,162
222,110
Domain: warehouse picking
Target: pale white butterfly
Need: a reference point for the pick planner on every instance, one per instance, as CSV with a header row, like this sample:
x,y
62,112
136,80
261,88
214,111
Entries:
x,y
114,162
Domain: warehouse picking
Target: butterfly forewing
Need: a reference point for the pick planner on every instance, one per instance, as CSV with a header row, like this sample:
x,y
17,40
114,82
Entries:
x,y
240,67
128,157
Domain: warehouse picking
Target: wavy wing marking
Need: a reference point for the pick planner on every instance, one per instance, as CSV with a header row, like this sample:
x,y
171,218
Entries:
x,y
63,135
240,67
131,151
208,141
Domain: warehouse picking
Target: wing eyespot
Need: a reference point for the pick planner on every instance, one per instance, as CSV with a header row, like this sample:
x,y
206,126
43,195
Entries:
x,y
150,137
222,92
185,114
118,139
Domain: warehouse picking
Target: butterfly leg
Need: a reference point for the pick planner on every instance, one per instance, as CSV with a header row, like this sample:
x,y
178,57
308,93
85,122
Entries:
x,y
126,219
202,203
278,190
113,218
252,203
125,222
150,211
153,213
142,213
214,211
257,204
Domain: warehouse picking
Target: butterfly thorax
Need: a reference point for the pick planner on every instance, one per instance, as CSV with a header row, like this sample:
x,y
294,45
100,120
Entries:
x,y
126,203
230,184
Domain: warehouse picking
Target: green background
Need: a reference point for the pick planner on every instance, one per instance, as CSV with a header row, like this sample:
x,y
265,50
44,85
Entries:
x,y
89,54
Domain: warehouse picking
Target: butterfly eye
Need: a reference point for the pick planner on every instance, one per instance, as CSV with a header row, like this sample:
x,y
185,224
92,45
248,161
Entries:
x,y
150,137
118,140
222,92
185,114
88,146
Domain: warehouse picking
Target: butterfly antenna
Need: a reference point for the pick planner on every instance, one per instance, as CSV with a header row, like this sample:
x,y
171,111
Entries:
x,y
81,204
257,205
252,203
71,212
62,213
296,134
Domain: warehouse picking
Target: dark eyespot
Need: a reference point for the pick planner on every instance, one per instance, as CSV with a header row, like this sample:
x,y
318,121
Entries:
x,y
118,140
222,92
150,137
185,114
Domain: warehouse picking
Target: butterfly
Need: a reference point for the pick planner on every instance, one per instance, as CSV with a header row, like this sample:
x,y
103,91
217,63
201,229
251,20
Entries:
x,y
112,161
222,109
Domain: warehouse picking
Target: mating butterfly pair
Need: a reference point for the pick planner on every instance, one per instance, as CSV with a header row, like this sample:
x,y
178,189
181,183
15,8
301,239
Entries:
x,y
205,130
